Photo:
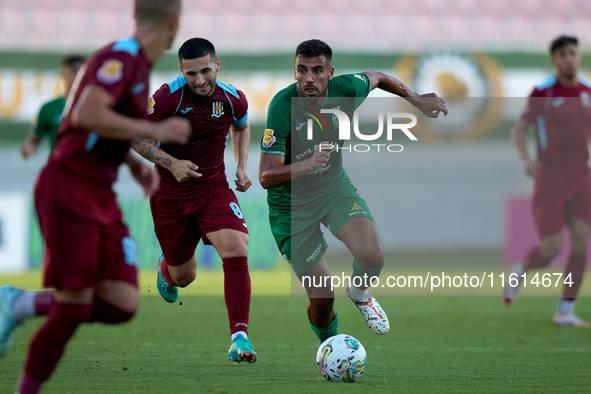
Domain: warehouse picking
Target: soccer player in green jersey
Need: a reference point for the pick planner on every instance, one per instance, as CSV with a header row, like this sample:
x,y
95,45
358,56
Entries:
x,y
50,115
307,186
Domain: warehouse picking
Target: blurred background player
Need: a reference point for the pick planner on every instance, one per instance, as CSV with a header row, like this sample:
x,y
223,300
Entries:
x,y
560,109
50,114
90,257
191,205
288,157
32,303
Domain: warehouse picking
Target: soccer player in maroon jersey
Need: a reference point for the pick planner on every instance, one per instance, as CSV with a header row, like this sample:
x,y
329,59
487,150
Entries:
x,y
560,109
194,200
90,257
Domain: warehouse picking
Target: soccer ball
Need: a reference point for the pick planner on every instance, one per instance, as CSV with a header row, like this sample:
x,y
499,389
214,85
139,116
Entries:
x,y
341,358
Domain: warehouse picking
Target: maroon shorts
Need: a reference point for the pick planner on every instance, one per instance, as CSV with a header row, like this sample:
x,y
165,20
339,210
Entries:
x,y
552,212
86,241
180,224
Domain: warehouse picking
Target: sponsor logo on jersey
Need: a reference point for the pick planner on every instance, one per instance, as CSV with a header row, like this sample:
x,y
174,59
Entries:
x,y
110,72
557,102
268,139
151,104
299,127
218,109
363,77
357,209
137,89
186,110
585,99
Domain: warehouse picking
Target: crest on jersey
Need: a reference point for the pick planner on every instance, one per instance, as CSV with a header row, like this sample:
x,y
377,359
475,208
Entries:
x,y
151,104
110,72
218,109
268,139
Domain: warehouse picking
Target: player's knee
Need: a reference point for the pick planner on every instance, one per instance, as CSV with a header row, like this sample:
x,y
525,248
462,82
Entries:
x,y
185,278
372,259
579,241
234,249
550,249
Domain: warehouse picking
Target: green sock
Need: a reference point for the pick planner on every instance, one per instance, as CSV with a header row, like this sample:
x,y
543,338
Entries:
x,y
358,272
326,332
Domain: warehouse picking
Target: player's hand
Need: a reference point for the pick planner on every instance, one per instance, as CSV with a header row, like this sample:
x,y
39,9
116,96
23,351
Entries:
x,y
27,150
531,167
430,104
320,156
147,177
242,181
184,170
174,130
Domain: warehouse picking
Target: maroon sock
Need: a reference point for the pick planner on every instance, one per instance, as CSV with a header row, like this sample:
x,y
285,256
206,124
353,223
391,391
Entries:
x,y
576,269
48,343
534,259
43,301
28,385
104,312
237,292
165,273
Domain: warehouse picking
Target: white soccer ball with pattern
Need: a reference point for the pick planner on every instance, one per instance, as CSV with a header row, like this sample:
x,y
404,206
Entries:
x,y
341,358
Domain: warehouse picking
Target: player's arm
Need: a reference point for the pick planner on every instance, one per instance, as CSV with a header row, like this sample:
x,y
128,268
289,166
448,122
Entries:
x,y
430,104
183,170
30,145
240,144
518,137
34,136
146,177
273,172
94,112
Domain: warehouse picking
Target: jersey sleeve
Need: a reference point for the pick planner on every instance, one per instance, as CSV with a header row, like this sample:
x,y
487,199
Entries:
x,y
241,110
40,124
358,86
112,71
278,129
161,105
534,106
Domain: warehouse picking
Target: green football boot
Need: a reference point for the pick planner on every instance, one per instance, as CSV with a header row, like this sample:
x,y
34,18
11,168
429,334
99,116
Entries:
x,y
241,350
168,292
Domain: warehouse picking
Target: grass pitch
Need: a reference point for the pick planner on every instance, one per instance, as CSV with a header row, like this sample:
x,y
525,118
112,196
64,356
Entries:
x,y
435,345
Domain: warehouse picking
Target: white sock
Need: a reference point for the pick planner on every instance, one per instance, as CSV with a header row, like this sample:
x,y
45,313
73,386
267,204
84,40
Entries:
x,y
239,333
358,294
565,306
23,305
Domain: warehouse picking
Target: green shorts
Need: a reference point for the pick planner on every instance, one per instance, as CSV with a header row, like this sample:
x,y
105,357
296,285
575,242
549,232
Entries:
x,y
300,240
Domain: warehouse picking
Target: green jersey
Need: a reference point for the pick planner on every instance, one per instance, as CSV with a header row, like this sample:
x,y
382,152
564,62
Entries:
x,y
49,120
286,134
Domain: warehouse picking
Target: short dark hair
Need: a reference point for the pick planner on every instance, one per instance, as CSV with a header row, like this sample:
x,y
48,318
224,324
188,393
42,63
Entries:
x,y
73,61
313,48
196,48
561,42
155,12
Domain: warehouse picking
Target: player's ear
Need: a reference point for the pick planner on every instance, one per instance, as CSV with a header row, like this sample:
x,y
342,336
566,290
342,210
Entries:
x,y
217,65
181,67
331,73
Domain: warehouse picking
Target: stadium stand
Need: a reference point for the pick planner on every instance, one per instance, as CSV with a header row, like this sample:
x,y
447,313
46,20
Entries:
x,y
272,25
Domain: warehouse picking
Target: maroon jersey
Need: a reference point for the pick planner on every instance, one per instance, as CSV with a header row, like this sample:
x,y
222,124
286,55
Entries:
x,y
211,118
562,117
122,70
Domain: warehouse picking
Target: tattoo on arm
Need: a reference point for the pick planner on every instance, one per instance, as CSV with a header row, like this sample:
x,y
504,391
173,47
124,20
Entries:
x,y
152,152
